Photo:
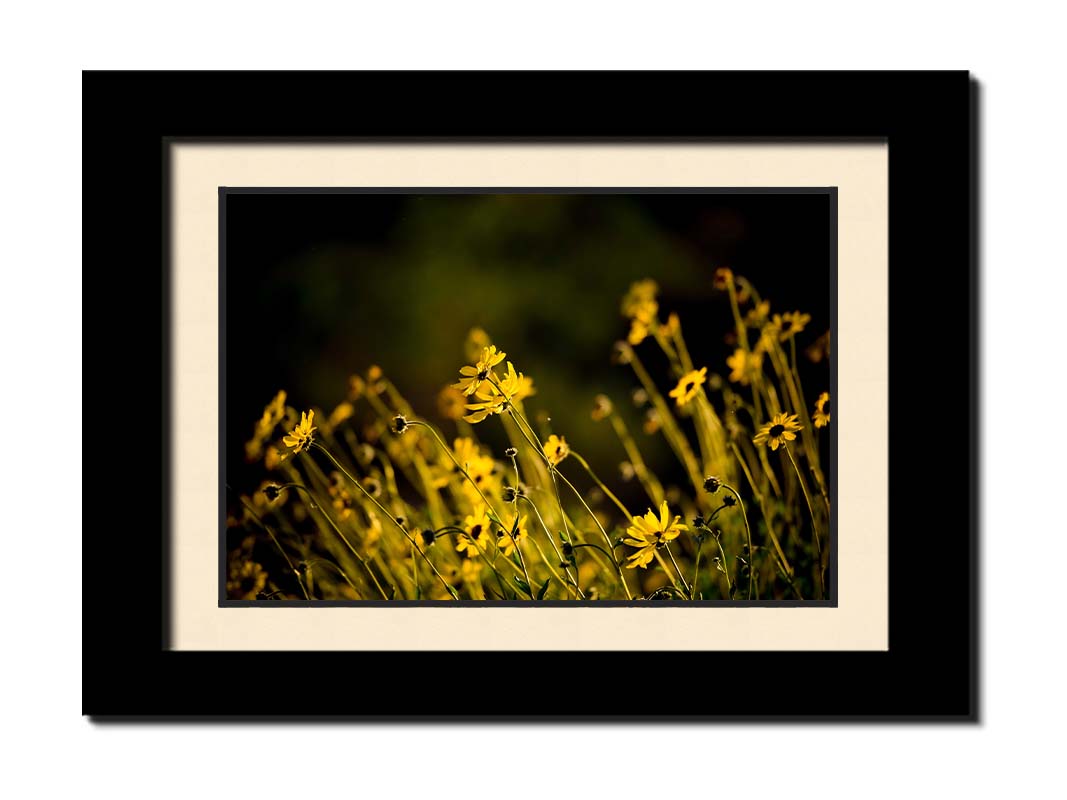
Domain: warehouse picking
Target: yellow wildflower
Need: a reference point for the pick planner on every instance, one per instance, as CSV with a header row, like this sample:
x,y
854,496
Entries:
x,y
778,431
340,414
790,324
638,332
340,496
757,315
513,535
372,537
821,417
640,301
356,387
744,366
273,413
374,379
478,466
476,527
496,400
649,533
688,386
300,437
474,376
246,581
477,340
450,402
723,277
465,450
819,350
524,388
672,326
471,572
556,449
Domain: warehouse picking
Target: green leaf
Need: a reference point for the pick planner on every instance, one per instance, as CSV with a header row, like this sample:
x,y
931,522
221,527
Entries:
x,y
563,537
543,589
523,585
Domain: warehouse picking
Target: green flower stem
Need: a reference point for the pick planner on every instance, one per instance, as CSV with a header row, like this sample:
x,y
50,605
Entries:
x,y
385,413
594,546
515,512
315,504
805,418
385,511
555,471
455,461
696,570
667,348
811,511
415,571
499,578
544,560
574,580
742,337
667,572
683,351
685,586
522,563
788,378
603,487
675,438
340,571
726,567
274,539
648,480
748,535
780,556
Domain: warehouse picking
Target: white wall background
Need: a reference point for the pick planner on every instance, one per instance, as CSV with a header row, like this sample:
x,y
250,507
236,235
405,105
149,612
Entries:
x,y
49,750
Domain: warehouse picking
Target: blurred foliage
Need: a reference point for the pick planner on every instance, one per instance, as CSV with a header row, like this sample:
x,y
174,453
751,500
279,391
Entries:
x,y
543,273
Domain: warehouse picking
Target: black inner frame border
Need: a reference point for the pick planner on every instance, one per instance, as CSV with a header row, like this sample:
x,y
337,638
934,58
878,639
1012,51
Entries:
x,y
929,673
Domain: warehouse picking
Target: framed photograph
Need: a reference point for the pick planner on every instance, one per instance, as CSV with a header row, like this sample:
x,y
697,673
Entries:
x,y
601,396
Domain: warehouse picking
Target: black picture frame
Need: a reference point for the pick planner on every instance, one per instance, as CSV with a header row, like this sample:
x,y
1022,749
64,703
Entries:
x,y
930,671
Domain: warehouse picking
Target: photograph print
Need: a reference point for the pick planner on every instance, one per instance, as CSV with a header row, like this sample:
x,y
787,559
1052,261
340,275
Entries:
x,y
512,396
